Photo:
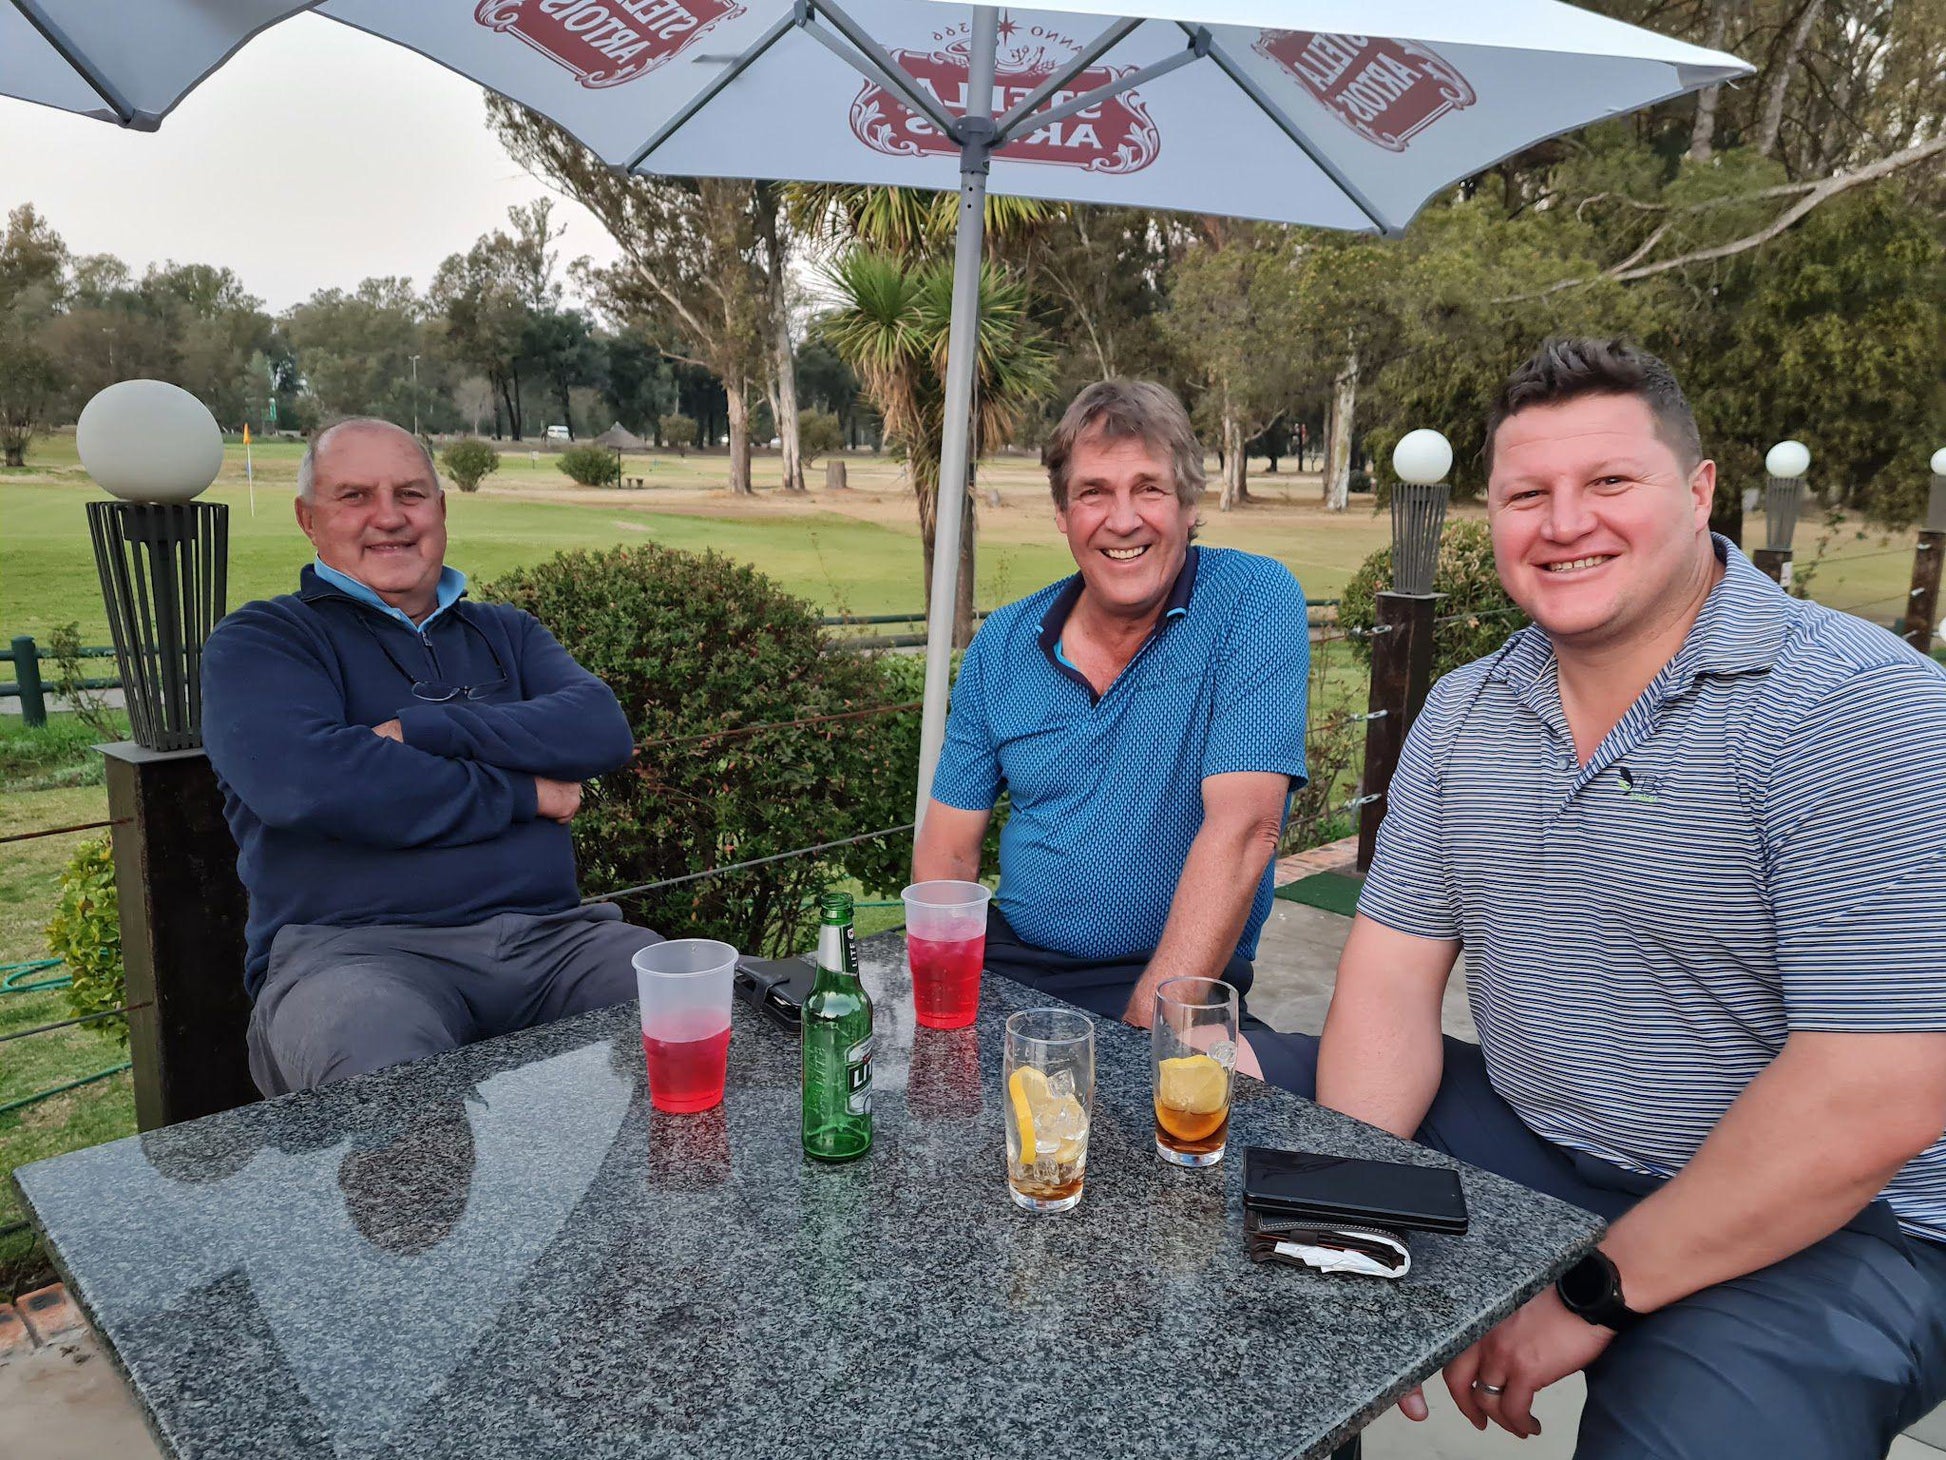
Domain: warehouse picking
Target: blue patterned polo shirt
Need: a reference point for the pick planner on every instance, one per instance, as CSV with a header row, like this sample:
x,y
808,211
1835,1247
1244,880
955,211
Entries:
x,y
1755,849
1107,793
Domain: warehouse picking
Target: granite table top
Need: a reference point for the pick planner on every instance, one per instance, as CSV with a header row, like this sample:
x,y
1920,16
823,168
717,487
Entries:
x,y
507,1251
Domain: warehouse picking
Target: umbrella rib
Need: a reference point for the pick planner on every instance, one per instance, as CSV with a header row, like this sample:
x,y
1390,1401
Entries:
x,y
1090,53
1115,88
715,89
1249,87
55,37
888,73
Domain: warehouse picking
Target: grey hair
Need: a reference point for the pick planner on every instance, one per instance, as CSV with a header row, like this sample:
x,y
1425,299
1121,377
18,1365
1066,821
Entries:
x,y
1120,410
307,469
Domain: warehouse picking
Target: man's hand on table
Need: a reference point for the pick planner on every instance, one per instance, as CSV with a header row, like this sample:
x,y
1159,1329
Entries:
x,y
1540,1344
556,800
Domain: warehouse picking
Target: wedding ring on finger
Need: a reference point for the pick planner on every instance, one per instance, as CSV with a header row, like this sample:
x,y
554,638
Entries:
x,y
1496,1390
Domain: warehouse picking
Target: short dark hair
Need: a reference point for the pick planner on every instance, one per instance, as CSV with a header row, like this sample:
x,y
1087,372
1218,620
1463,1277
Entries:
x,y
1123,410
1565,369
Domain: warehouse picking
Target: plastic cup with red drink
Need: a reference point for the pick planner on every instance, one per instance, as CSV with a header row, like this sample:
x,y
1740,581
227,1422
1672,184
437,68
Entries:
x,y
946,944
685,987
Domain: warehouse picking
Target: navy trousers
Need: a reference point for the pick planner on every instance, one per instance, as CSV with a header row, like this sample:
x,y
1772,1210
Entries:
x,y
1826,1355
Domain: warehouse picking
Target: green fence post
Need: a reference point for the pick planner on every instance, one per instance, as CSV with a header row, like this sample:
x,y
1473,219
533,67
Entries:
x,y
27,674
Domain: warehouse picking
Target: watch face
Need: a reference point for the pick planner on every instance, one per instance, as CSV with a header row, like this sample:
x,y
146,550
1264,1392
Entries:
x,y
1587,1283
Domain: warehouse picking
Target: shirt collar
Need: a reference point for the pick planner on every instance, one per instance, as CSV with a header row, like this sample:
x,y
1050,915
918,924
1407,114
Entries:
x,y
1741,628
449,590
1054,617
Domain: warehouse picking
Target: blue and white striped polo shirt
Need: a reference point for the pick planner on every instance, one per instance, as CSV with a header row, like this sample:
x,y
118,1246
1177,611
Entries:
x,y
1755,849
1107,793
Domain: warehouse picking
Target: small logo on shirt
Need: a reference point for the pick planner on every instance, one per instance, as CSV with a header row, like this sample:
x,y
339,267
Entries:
x,y
1635,789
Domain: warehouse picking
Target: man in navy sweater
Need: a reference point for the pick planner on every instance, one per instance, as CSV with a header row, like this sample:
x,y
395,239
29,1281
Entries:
x,y
399,768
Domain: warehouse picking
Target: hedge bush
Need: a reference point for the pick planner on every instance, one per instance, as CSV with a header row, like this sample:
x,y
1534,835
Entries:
x,y
469,462
592,466
678,431
1480,613
693,645
86,934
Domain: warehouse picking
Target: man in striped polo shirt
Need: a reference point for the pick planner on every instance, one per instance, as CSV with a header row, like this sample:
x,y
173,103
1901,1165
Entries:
x,y
1686,829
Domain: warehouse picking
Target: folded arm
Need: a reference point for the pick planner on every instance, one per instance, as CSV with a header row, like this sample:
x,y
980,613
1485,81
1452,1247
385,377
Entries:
x,y
568,728
275,728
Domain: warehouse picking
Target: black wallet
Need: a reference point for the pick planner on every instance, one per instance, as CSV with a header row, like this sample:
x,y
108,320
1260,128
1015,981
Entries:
x,y
777,986
1335,1190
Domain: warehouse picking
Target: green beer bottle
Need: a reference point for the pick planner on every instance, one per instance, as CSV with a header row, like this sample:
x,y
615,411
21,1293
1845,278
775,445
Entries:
x,y
837,1042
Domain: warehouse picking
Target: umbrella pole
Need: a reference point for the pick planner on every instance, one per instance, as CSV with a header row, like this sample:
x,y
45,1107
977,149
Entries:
x,y
976,133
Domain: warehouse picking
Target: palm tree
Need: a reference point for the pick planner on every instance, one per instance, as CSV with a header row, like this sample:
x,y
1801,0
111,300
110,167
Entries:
x,y
892,327
893,273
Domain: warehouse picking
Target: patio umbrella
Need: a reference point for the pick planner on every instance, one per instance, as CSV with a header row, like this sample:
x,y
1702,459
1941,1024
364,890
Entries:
x,y
1345,114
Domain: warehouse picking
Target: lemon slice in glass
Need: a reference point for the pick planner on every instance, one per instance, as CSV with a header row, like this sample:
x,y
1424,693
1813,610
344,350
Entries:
x,y
1194,1084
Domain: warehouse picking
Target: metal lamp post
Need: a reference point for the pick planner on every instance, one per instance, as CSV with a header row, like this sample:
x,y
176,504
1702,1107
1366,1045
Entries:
x,y
162,558
1402,643
1922,607
1786,463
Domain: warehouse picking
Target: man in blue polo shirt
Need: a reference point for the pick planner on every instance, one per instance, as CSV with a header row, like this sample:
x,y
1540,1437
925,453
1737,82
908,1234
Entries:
x,y
1146,718
399,768
1686,829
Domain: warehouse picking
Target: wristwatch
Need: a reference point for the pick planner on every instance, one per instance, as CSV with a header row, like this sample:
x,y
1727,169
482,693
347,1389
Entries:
x,y
1592,1290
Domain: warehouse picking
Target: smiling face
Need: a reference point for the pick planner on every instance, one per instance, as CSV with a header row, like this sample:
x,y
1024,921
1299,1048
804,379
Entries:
x,y
1125,525
377,514
1600,530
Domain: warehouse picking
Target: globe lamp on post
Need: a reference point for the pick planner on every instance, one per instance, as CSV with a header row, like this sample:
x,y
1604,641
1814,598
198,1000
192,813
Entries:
x,y
1403,633
161,555
1922,604
1785,463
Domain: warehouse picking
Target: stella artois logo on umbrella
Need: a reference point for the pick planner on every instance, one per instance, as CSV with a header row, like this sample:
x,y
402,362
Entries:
x,y
1114,137
1387,91
606,42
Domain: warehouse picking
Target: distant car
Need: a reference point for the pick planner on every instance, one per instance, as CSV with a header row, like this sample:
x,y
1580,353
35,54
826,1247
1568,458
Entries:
x,y
559,433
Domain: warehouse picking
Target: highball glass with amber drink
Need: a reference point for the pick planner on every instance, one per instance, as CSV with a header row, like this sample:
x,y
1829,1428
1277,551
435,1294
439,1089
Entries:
x,y
1049,1069
1194,1040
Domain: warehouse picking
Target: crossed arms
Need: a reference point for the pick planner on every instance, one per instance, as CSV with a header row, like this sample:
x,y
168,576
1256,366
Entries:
x,y
438,775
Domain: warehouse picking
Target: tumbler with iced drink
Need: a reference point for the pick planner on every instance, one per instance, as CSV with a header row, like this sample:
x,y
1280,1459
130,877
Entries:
x,y
1050,1076
1194,1040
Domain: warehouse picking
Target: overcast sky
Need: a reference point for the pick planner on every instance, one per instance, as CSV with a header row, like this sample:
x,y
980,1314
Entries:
x,y
316,157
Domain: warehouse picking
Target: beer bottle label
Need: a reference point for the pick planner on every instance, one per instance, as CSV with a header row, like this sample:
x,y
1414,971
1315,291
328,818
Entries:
x,y
858,1076
851,950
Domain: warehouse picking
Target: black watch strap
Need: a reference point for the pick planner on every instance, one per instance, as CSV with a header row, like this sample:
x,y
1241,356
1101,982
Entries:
x,y
1592,1290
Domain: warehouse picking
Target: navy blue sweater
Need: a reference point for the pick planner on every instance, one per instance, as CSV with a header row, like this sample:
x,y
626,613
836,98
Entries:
x,y
337,825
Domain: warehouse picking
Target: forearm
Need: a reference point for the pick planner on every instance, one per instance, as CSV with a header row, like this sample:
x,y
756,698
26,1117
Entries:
x,y
1381,1057
1219,881
948,845
1800,1153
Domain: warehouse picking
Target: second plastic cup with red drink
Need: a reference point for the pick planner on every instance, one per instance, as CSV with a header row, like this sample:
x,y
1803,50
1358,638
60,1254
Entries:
x,y
685,987
946,945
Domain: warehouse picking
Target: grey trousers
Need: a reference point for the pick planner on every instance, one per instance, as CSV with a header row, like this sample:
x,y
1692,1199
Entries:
x,y
338,1002
1826,1355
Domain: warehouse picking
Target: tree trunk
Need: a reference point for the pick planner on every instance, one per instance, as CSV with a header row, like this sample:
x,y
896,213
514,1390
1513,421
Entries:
x,y
783,363
15,450
1780,79
1702,131
736,396
1233,461
1337,458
